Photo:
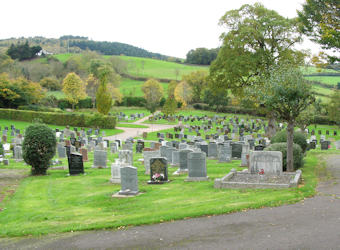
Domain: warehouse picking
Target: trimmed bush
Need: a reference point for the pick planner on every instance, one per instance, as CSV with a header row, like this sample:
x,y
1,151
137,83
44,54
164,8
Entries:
x,y
1,149
62,119
39,147
299,138
134,101
282,147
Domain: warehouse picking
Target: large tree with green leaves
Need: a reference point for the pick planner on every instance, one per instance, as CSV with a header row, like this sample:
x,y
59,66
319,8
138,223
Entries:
x,y
320,20
257,39
198,82
285,94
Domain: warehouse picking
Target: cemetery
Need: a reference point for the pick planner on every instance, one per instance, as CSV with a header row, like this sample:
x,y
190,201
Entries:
x,y
204,157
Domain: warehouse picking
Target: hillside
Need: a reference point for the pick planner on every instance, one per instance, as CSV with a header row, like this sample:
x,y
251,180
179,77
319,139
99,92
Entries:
x,y
76,44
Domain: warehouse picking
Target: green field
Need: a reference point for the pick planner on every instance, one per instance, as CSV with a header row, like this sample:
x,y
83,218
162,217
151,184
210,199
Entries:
x,y
129,87
330,80
146,67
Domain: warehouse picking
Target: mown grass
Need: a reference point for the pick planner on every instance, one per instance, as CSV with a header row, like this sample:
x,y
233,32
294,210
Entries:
x,y
61,203
330,80
57,94
63,57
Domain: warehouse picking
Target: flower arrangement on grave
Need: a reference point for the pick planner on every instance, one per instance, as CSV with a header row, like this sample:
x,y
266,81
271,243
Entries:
x,y
158,177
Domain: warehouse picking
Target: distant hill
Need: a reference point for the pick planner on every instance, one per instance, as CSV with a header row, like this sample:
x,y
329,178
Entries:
x,y
77,44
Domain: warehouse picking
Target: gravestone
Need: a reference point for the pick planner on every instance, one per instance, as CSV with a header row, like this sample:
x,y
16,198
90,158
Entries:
x,y
61,150
126,156
115,171
267,162
75,164
163,150
204,147
183,161
312,145
83,152
224,153
18,153
99,159
147,155
325,145
168,153
175,158
236,150
245,153
197,167
158,171
212,149
129,181
259,147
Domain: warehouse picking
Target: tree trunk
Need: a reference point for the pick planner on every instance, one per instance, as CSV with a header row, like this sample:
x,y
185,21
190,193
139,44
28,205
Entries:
x,y
271,126
290,134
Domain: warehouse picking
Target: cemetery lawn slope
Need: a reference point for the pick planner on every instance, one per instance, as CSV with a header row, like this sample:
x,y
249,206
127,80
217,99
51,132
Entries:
x,y
61,203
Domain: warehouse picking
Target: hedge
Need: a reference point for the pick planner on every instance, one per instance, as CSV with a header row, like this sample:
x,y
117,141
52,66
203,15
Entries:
x,y
228,109
61,119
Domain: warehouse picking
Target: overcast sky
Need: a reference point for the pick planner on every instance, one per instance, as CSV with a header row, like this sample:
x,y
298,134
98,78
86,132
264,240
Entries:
x,y
169,27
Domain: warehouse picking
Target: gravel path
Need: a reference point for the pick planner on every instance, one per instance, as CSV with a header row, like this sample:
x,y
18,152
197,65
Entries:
x,y
134,132
311,224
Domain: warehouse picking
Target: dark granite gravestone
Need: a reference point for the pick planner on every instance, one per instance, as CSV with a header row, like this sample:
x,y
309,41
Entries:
x,y
325,145
259,147
327,132
139,147
319,132
75,164
204,148
236,150
335,133
158,171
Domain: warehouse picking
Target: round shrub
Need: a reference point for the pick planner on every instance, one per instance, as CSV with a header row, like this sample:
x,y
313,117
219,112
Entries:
x,y
39,147
282,147
298,138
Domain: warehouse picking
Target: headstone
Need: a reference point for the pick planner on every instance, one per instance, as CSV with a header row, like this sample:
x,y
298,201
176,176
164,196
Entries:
x,y
168,153
129,181
99,159
183,161
115,171
126,156
325,145
76,165
175,158
147,155
236,150
197,167
18,153
337,144
267,162
158,171
83,152
61,150
224,153
212,149
244,155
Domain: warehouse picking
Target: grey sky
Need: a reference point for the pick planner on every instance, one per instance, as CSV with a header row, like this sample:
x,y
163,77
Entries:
x,y
170,27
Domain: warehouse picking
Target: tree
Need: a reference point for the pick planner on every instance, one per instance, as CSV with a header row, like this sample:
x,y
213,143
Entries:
x,y
153,92
285,94
39,147
333,107
171,88
320,21
92,88
217,100
50,83
258,38
73,88
170,106
23,51
104,99
183,93
198,82
201,56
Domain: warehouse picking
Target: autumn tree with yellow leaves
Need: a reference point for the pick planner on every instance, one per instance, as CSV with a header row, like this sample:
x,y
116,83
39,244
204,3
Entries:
x,y
74,88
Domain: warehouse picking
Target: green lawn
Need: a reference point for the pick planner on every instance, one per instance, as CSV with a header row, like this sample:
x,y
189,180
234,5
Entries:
x,y
60,203
22,125
57,94
321,90
129,87
63,57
